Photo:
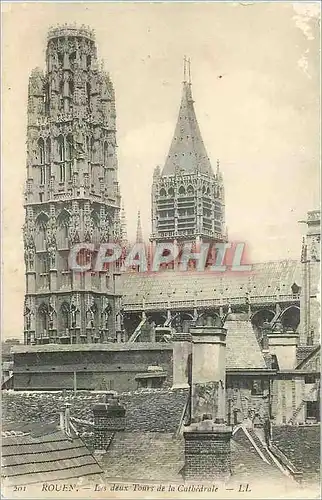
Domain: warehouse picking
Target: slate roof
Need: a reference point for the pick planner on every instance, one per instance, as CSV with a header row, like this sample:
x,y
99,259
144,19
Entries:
x,y
151,410
37,452
187,151
303,352
154,456
301,444
243,350
264,280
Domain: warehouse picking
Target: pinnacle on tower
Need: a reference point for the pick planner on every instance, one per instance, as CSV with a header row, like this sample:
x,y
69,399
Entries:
x,y
123,225
139,237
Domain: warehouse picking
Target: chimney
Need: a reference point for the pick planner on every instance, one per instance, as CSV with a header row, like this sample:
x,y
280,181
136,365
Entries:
x,y
181,353
108,419
284,346
266,330
64,419
207,439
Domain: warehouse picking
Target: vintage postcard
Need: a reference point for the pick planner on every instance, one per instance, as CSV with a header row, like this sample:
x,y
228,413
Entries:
x,y
160,250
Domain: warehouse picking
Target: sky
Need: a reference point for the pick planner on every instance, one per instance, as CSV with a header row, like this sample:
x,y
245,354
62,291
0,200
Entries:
x,y
255,76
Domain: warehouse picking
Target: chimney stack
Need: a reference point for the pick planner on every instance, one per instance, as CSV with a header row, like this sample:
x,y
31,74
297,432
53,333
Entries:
x,y
284,345
207,439
64,419
181,360
108,419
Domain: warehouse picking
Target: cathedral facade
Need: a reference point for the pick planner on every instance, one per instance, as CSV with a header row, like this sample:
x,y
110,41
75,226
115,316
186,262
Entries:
x,y
72,193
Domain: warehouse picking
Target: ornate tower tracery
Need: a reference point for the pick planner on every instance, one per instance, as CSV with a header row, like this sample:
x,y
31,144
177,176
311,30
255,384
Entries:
x,y
188,199
72,193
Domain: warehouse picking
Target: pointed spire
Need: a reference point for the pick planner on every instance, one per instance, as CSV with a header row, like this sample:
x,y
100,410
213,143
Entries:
x,y
184,69
187,151
139,237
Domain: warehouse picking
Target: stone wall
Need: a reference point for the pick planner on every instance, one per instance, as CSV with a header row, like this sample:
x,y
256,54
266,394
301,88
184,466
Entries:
x,y
289,396
95,370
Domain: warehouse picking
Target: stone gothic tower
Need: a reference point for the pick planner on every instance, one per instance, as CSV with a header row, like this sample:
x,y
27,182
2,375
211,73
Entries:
x,y
188,202
72,194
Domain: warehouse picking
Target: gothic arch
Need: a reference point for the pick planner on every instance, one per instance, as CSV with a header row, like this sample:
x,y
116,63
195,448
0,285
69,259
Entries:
x,y
171,191
63,221
163,192
105,153
41,151
48,152
42,317
41,231
64,316
60,143
262,315
290,317
190,190
182,190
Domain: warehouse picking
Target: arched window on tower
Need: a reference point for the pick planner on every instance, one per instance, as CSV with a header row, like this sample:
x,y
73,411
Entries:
x,y
71,88
69,156
60,59
72,58
91,149
48,159
88,61
88,92
63,221
105,154
61,158
41,151
65,316
61,149
46,99
43,318
41,230
61,95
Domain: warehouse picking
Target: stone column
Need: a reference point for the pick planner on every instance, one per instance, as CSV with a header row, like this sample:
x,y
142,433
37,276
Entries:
x,y
181,355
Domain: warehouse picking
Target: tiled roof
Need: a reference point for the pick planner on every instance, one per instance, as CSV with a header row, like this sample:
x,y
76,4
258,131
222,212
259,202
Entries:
x,y
263,281
144,456
187,151
243,350
303,352
301,445
151,456
34,453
